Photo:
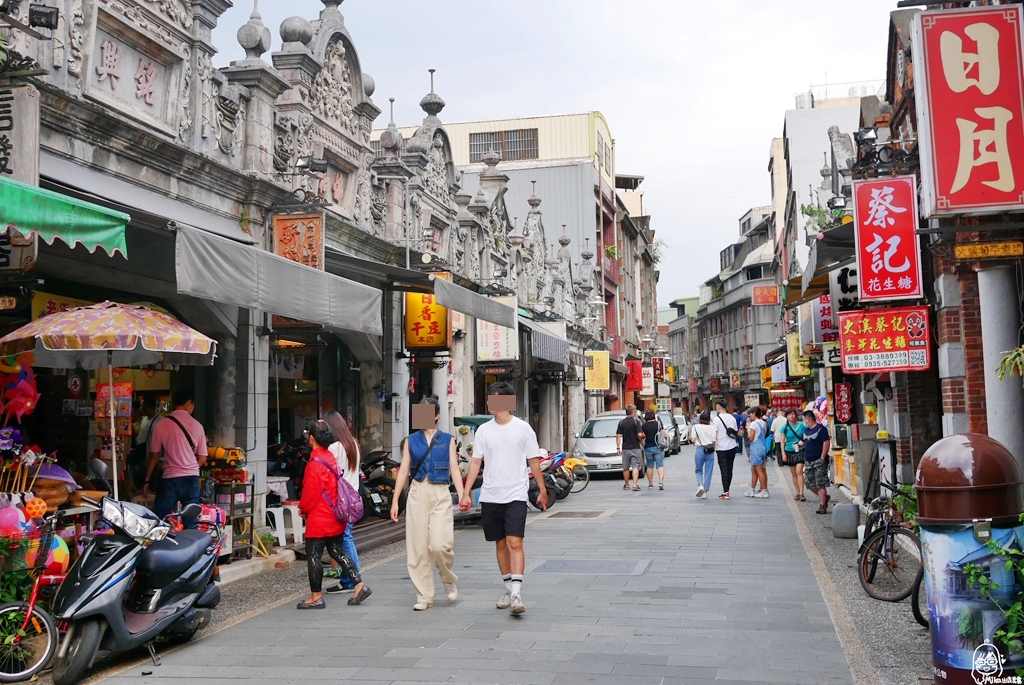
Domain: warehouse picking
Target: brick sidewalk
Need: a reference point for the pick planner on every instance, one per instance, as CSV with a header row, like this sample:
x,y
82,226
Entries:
x,y
683,591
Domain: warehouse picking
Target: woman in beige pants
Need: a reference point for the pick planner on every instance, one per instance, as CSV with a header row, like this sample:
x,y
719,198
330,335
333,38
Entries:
x,y
429,455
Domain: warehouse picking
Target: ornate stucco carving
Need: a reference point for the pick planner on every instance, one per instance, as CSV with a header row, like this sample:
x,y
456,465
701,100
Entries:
x,y
363,201
209,91
137,17
185,124
331,95
378,207
75,37
178,11
284,144
436,176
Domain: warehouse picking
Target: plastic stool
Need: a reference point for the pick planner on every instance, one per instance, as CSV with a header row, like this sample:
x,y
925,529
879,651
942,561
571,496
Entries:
x,y
275,519
296,525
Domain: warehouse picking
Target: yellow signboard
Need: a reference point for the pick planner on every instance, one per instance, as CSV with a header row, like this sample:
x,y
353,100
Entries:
x,y
45,303
597,377
798,364
766,377
426,323
989,250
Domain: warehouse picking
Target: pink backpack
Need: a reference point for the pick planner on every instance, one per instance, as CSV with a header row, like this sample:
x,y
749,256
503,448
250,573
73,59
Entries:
x,y
349,505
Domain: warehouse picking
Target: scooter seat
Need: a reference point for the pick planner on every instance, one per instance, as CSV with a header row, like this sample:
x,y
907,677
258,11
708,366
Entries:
x,y
165,560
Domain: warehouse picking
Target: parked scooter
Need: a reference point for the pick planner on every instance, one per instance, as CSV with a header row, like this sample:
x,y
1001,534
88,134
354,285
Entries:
x,y
128,589
550,484
377,485
563,475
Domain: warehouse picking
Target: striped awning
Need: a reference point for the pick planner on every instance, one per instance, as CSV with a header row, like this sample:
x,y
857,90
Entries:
x,y
546,345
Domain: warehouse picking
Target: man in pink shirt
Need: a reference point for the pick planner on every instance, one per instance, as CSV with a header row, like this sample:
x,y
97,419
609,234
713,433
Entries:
x,y
181,441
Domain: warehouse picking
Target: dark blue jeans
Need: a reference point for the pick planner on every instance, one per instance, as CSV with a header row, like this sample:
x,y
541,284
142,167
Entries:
x,y
183,489
348,544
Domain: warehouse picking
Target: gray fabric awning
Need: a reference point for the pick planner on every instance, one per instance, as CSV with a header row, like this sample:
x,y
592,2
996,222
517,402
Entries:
x,y
545,344
470,303
222,270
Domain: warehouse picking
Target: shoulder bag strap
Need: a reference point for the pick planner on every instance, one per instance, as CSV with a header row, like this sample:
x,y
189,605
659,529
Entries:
x,y
419,462
188,437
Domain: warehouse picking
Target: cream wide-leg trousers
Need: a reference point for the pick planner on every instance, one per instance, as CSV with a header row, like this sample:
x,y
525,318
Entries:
x,y
429,537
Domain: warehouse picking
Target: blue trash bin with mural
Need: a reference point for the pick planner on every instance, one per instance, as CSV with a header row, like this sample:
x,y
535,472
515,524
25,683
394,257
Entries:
x,y
970,492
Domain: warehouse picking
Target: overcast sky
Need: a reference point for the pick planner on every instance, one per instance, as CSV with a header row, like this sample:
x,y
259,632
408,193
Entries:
x,y
693,92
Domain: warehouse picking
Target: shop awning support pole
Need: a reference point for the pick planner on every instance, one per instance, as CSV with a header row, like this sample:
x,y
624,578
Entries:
x,y
113,422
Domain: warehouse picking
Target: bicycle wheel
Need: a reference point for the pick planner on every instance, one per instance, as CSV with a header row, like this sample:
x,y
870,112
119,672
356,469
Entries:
x,y
919,600
580,478
33,651
894,554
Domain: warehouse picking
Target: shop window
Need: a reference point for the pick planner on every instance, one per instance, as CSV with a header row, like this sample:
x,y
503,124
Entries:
x,y
754,273
511,145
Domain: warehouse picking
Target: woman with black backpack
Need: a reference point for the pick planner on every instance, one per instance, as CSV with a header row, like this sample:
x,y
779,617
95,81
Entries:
x,y
323,529
429,456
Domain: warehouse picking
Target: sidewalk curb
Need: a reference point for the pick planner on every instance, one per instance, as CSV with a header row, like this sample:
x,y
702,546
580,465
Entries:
x,y
856,654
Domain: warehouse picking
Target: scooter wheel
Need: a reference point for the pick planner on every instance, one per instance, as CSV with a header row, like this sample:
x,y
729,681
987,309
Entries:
x,y
83,643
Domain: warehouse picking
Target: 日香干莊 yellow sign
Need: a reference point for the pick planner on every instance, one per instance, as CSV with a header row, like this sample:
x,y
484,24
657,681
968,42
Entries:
x,y
426,323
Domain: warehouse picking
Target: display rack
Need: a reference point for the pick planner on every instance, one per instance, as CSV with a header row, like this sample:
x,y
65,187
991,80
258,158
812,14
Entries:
x,y
237,500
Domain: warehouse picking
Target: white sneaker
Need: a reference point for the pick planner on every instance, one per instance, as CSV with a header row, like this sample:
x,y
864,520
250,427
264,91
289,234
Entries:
x,y
704,496
700,492
422,606
750,493
517,606
763,494
505,602
451,592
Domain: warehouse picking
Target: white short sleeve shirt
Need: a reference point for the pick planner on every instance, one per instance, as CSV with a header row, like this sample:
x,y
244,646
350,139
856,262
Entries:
x,y
505,451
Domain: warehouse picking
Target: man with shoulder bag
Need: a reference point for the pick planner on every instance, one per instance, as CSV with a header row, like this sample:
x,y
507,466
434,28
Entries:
x,y
181,441
726,444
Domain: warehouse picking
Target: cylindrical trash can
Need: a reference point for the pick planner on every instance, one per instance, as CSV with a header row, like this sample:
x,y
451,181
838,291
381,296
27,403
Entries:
x,y
969,490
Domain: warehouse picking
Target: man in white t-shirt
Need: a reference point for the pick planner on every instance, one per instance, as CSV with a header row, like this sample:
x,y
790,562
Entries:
x,y
725,444
509,446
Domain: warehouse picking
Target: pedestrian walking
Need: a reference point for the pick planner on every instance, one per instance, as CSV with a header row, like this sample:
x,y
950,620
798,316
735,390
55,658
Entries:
x,y
725,445
629,442
704,436
509,447
756,433
346,451
741,426
429,455
181,442
653,449
780,442
815,443
323,529
791,434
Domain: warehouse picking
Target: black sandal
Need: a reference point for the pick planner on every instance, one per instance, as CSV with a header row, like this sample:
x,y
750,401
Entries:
x,y
363,594
319,604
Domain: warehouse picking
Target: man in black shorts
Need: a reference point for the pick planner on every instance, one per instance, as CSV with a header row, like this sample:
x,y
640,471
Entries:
x,y
509,446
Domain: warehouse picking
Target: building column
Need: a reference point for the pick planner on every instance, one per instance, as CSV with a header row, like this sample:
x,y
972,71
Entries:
x,y
439,383
224,373
1000,323
252,382
576,396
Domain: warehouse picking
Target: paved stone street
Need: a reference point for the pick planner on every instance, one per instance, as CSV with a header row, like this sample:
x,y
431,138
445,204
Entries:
x,y
660,588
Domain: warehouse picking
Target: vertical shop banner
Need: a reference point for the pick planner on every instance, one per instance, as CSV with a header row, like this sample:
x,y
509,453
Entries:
x,y
765,295
842,289
766,377
888,256
427,324
844,402
798,364
658,364
826,329
883,340
596,375
716,385
780,372
693,385
647,380
735,379
635,379
969,88
494,342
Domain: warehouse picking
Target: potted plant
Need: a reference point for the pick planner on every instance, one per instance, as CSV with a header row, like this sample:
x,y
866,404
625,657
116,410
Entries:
x,y
611,251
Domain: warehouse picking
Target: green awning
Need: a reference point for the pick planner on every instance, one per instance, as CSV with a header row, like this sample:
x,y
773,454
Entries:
x,y
28,210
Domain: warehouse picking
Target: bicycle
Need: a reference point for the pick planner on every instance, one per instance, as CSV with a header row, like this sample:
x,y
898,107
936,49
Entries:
x,y
28,634
580,474
894,548
919,600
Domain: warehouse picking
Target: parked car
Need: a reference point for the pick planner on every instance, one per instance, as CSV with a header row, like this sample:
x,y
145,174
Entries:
x,y
675,431
596,442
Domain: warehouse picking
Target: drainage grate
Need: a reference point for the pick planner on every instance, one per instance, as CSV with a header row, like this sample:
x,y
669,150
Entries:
x,y
591,567
576,514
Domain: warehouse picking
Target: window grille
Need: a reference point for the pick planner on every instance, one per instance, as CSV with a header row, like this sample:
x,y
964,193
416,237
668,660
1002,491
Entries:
x,y
511,145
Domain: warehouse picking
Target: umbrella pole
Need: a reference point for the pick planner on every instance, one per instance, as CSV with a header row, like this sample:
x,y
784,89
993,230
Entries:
x,y
113,422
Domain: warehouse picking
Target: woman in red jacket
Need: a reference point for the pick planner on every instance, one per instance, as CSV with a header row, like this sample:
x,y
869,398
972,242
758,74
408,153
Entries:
x,y
323,530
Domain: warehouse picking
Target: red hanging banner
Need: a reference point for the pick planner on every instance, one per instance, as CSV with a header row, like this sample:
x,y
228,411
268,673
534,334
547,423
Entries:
x,y
969,89
888,257
635,380
844,402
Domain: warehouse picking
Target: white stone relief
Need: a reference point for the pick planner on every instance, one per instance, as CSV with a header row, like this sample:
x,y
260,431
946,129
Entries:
x,y
185,124
331,96
209,93
363,200
436,177
76,38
